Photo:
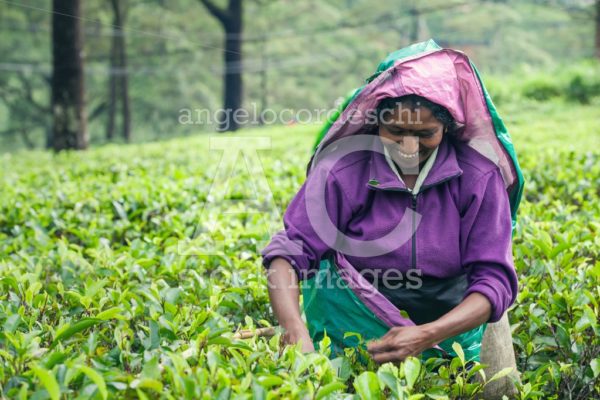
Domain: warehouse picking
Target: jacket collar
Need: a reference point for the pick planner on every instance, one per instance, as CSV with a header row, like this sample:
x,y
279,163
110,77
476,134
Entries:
x,y
445,167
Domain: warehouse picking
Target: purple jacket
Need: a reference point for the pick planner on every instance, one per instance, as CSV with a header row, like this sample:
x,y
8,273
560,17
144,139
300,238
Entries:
x,y
462,213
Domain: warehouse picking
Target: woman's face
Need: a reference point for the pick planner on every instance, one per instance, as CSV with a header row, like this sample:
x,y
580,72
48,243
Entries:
x,y
410,136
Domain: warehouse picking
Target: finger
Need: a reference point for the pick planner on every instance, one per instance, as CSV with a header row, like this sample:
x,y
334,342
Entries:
x,y
379,346
306,345
397,355
383,342
374,345
307,348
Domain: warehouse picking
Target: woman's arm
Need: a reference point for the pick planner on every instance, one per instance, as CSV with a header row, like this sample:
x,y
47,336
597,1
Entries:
x,y
473,311
401,342
486,244
294,253
284,294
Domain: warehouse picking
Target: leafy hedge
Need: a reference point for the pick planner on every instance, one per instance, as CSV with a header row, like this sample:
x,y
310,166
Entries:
x,y
96,300
577,83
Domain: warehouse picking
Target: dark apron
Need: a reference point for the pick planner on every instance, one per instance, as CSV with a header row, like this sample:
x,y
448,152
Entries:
x,y
434,298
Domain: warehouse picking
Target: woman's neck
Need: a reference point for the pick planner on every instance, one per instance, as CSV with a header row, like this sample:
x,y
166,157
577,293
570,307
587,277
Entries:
x,y
411,179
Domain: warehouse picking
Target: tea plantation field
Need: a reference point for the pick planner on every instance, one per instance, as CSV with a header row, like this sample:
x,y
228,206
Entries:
x,y
99,299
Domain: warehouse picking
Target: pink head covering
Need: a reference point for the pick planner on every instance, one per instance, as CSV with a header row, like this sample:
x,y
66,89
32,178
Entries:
x,y
445,77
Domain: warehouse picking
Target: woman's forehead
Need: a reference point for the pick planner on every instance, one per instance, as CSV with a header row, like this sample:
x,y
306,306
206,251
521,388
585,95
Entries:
x,y
414,117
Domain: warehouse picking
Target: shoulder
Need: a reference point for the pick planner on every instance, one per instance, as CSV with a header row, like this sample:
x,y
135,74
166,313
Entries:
x,y
345,168
475,166
347,175
481,179
349,155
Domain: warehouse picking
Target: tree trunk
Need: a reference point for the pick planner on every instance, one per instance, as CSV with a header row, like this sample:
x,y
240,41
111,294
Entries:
x,y
112,84
232,91
126,119
232,21
598,29
119,82
416,22
263,82
69,129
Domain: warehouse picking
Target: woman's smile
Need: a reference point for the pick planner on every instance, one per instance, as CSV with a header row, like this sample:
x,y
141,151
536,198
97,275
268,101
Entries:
x,y
408,156
410,135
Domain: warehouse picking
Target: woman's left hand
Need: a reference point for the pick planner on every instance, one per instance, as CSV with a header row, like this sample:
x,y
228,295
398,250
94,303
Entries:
x,y
401,342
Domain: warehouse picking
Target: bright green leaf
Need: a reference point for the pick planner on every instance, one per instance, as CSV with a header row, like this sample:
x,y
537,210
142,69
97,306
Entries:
x,y
48,381
97,379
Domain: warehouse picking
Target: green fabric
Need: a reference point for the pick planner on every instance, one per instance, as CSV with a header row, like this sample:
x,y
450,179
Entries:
x,y
335,309
409,51
323,131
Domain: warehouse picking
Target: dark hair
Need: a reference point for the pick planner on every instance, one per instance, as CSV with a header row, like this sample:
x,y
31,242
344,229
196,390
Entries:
x,y
413,102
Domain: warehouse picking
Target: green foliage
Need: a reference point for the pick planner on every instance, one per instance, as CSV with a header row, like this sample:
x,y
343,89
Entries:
x,y
97,300
583,90
541,89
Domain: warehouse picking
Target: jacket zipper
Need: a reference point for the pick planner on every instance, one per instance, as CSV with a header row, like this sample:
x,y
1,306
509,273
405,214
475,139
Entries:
x,y
414,231
414,209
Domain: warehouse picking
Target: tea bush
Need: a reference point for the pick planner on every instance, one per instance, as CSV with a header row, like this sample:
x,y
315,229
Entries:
x,y
542,89
98,299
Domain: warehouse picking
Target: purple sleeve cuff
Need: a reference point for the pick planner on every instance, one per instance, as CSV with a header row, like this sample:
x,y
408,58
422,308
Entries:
x,y
495,293
292,251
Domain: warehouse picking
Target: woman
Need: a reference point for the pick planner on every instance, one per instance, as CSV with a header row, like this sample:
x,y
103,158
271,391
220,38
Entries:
x,y
420,192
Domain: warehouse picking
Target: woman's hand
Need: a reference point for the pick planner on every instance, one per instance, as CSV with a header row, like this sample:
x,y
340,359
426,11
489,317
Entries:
x,y
401,342
298,333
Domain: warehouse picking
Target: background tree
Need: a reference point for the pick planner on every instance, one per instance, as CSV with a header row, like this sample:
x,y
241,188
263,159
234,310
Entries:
x,y
118,75
69,129
311,52
598,29
231,19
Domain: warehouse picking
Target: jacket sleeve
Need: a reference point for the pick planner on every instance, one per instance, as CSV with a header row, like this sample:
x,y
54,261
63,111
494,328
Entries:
x,y
486,244
299,242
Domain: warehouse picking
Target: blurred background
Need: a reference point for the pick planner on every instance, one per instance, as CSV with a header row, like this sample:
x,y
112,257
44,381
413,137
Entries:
x,y
77,74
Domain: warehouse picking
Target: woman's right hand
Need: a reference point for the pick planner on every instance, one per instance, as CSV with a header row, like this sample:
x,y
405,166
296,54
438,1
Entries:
x,y
298,333
284,294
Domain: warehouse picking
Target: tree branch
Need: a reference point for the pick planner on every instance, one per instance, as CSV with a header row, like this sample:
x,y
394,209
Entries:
x,y
98,110
26,139
217,12
29,94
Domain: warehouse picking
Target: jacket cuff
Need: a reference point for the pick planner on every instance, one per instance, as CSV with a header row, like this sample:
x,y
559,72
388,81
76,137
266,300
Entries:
x,y
301,273
494,296
281,246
